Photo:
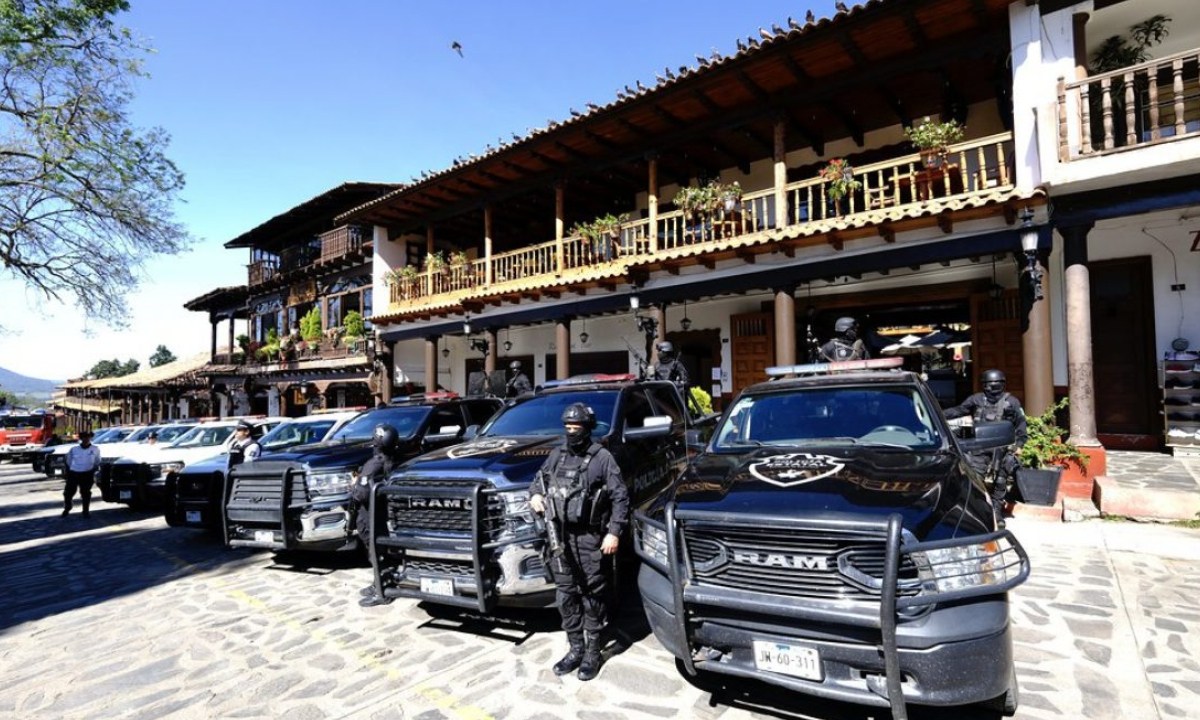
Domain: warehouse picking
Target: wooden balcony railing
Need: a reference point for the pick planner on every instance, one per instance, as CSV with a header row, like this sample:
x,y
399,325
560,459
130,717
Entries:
x,y
970,168
1136,106
262,271
342,241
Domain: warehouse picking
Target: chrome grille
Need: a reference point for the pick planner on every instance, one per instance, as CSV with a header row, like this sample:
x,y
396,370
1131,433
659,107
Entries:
x,y
802,563
420,566
403,517
256,491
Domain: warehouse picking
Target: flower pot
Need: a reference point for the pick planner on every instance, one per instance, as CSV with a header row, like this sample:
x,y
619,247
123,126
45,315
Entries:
x,y
933,157
1039,486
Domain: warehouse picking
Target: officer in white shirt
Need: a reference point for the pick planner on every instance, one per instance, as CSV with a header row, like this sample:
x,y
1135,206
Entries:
x,y
82,462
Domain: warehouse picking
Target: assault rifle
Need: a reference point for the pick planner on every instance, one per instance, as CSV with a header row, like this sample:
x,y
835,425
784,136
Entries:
x,y
551,525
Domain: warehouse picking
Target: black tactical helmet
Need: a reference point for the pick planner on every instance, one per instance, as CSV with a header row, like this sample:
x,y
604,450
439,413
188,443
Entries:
x,y
993,382
581,414
515,366
666,348
385,438
844,323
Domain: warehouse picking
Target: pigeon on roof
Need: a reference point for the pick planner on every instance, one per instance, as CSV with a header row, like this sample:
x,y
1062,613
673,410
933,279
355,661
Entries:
x,y
740,45
766,34
456,46
809,17
593,106
841,6
793,24
777,30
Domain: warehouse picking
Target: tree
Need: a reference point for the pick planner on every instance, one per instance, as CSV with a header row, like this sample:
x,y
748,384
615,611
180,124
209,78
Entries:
x,y
112,368
162,356
85,197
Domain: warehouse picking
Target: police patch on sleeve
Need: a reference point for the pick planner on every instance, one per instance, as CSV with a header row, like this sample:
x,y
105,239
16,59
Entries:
x,y
791,469
480,447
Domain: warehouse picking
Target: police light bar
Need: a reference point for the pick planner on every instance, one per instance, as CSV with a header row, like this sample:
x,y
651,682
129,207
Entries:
x,y
591,379
843,366
426,397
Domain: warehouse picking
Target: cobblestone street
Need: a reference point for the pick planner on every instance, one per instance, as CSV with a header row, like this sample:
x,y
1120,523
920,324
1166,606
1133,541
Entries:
x,y
119,615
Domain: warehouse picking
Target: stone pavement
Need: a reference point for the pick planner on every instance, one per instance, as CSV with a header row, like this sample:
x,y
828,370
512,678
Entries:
x,y
1149,485
119,616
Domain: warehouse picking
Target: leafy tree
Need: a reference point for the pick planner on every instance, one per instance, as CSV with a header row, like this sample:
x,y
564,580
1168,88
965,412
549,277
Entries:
x,y
85,197
162,356
113,368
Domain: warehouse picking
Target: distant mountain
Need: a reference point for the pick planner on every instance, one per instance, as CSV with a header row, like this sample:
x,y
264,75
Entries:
x,y
18,384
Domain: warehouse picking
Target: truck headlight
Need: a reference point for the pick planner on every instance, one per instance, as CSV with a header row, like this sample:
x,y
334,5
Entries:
x,y
518,516
965,567
652,541
330,483
161,470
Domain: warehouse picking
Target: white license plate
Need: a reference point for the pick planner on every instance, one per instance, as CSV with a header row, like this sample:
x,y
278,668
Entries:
x,y
193,516
125,494
786,659
264,536
437,586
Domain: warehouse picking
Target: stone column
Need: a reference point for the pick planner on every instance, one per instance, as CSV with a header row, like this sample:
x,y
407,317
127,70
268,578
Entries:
x,y
785,327
388,381
659,313
489,360
1035,339
231,338
562,343
1078,294
780,158
431,363
212,356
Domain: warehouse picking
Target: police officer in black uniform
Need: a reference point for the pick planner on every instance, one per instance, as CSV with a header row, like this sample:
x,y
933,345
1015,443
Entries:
x,y
992,405
845,344
670,367
582,484
518,382
384,459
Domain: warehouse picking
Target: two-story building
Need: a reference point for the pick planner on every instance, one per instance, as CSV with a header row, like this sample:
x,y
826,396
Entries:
x,y
306,305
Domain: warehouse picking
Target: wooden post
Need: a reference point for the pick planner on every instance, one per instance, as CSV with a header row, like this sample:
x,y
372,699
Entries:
x,y
562,343
780,157
652,203
212,320
559,209
431,363
489,273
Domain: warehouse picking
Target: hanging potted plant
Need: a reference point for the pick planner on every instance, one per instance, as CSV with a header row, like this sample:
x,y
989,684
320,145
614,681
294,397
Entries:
x,y
728,195
1044,456
839,178
932,138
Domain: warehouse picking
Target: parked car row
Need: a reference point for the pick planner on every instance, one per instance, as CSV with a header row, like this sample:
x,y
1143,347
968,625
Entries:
x,y
830,536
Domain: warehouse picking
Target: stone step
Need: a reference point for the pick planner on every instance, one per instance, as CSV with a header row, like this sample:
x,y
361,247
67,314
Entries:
x,y
1113,497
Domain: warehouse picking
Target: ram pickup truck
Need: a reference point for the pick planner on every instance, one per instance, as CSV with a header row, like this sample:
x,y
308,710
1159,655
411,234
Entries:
x,y
192,497
299,499
832,539
454,526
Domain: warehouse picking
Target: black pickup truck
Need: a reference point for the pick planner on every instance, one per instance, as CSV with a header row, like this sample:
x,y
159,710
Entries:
x,y
833,539
299,499
454,527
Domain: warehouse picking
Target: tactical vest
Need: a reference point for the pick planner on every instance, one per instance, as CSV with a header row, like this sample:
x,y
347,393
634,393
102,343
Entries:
x,y
840,351
568,481
989,411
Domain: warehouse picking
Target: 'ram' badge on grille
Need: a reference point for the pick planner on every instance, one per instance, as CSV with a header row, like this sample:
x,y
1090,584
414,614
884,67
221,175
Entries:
x,y
440,503
479,447
793,469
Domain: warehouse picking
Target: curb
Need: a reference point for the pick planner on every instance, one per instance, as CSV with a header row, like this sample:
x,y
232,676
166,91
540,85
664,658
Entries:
x,y
1144,503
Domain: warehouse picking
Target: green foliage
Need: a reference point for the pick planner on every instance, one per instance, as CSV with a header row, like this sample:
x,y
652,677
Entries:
x,y
603,226
708,198
1047,444
459,258
1117,52
701,402
243,342
839,174
355,327
934,135
86,198
162,356
435,261
112,368
310,325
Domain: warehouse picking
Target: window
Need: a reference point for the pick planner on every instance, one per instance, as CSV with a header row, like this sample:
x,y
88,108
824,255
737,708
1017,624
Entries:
x,y
637,409
665,403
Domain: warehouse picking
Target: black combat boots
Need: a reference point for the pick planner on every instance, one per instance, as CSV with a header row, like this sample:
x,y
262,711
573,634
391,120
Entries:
x,y
574,656
590,667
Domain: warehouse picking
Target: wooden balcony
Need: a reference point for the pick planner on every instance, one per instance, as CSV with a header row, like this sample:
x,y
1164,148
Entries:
x,y
263,271
972,169
1138,106
347,241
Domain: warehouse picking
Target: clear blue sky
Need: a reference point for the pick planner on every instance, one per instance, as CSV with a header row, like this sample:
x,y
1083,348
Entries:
x,y
271,103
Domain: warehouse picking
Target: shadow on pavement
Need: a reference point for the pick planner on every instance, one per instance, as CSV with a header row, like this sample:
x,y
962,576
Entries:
x,y
29,508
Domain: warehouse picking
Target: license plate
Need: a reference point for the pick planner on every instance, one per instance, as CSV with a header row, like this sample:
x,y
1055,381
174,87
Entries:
x,y
786,659
437,586
192,516
264,536
125,494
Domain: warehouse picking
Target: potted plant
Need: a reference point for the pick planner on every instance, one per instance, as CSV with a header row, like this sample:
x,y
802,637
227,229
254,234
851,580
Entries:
x,y
1044,455
355,328
695,202
435,262
728,195
459,258
310,326
932,137
839,177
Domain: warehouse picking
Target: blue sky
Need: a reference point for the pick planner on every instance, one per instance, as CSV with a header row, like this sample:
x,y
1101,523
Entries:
x,y
271,103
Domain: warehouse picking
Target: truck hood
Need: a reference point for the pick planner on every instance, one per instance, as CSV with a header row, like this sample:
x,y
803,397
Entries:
x,y
925,489
155,455
211,464
505,461
323,454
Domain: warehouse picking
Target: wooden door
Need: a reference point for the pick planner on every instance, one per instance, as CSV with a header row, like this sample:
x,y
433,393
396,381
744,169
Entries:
x,y
1124,359
996,339
753,348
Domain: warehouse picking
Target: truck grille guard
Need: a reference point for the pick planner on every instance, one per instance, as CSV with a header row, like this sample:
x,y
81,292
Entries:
x,y
240,486
936,561
482,527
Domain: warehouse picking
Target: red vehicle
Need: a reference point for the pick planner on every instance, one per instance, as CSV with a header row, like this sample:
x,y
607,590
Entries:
x,y
22,432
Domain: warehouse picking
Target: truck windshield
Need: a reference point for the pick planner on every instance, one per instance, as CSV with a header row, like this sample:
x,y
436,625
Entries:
x,y
20,421
892,416
201,436
406,420
295,433
542,414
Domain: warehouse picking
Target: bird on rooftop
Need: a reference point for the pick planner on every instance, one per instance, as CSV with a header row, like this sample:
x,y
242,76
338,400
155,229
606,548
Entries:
x,y
740,45
793,24
456,46
766,34
701,61
716,54
670,75
640,86
775,27
575,112
809,17
841,6
593,106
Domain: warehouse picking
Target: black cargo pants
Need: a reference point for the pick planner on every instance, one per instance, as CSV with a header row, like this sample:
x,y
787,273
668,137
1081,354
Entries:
x,y
581,582
81,481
